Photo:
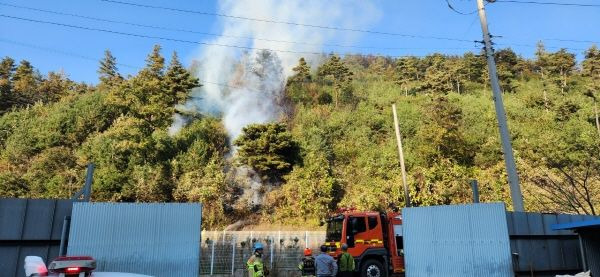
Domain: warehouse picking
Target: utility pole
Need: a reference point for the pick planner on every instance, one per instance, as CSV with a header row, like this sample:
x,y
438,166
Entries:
x,y
401,153
511,168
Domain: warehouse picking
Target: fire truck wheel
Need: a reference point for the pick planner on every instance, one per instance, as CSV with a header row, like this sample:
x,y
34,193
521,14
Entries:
x,y
372,268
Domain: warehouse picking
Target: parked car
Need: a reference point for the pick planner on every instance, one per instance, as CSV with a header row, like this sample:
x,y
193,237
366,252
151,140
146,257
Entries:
x,y
69,266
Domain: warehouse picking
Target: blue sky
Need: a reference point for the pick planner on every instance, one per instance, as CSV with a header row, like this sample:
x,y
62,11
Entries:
x,y
51,47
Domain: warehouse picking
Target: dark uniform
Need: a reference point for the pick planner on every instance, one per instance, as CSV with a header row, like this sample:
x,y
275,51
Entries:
x,y
307,266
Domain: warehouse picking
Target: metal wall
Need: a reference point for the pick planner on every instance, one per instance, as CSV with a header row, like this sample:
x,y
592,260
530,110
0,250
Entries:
x,y
457,240
155,239
591,243
29,227
540,250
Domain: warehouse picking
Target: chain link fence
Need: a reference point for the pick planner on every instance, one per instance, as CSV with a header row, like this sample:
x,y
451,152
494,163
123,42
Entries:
x,y
226,253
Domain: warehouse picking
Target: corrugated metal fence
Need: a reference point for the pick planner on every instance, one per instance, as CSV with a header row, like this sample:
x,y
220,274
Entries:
x,y
225,253
158,239
29,227
457,241
539,250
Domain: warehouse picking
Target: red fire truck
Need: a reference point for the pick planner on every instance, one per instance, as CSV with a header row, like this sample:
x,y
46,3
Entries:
x,y
374,239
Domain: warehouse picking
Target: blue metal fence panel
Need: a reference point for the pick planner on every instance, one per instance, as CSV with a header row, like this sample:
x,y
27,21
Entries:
x,y
457,240
158,239
29,227
539,248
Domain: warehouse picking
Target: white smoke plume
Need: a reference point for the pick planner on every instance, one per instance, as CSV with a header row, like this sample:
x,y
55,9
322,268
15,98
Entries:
x,y
246,86
254,100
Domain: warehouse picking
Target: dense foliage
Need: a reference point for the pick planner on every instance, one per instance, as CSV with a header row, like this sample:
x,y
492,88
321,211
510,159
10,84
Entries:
x,y
336,147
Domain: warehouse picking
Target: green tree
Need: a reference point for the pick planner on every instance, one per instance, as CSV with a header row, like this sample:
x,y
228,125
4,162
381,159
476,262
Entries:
x,y
207,186
7,69
268,149
179,81
444,136
55,86
506,62
437,76
301,72
308,193
561,65
406,71
25,84
591,69
299,87
341,76
11,185
108,72
458,73
155,64
474,66
147,95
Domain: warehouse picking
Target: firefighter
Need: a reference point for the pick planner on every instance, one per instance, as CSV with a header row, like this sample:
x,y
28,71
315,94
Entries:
x,y
346,262
256,267
307,266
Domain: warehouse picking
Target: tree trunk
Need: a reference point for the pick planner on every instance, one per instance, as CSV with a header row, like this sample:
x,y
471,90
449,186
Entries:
x,y
458,86
597,120
545,100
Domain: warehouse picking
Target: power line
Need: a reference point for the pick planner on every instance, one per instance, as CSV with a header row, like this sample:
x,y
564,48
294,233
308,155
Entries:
x,y
283,22
572,40
174,39
154,37
457,11
212,34
52,50
79,56
548,3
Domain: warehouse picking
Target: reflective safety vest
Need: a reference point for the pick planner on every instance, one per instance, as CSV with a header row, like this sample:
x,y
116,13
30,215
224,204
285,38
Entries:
x,y
255,266
307,266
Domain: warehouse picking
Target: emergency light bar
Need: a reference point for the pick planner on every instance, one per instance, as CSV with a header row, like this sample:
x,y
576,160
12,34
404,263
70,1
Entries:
x,y
72,265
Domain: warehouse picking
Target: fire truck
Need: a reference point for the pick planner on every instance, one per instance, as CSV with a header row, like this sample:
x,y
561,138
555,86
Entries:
x,y
374,239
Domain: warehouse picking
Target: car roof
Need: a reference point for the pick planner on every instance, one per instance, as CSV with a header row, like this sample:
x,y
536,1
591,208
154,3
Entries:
x,y
117,274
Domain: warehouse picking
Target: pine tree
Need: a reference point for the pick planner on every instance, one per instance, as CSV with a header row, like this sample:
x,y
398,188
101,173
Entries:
x,y
591,65
591,69
146,95
54,87
268,148
406,71
108,71
7,69
179,81
541,66
25,84
506,61
437,75
342,77
458,73
474,66
155,64
561,65
301,72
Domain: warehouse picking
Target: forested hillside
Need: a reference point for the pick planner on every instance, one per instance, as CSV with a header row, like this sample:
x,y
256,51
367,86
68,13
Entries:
x,y
333,147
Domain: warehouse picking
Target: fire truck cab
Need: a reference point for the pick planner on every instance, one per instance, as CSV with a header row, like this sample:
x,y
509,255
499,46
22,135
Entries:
x,y
374,239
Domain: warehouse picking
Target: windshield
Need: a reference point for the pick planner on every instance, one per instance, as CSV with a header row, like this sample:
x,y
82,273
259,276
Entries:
x,y
334,228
